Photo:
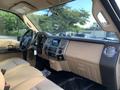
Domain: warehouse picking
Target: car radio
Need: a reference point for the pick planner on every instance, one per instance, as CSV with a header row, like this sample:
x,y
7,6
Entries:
x,y
54,48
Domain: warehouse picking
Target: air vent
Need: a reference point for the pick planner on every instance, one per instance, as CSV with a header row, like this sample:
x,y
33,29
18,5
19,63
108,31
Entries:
x,y
110,51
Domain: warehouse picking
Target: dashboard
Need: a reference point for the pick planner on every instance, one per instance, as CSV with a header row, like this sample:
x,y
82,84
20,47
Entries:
x,y
91,60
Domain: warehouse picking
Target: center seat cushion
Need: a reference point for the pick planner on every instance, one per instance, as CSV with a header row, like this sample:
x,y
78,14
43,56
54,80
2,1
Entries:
x,y
28,78
38,83
20,74
12,62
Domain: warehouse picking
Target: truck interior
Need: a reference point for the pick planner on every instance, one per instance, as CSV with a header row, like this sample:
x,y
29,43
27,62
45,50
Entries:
x,y
59,45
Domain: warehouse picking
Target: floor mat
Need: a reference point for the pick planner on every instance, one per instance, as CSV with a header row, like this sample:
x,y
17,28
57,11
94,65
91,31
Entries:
x,y
70,81
66,80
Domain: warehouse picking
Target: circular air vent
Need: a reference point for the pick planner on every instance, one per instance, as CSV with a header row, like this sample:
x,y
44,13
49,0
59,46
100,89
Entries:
x,y
110,51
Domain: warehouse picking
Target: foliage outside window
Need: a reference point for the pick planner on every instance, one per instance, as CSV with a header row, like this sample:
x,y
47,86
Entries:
x,y
73,20
11,25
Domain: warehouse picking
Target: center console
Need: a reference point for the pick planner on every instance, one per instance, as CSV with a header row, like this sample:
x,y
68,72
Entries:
x,y
55,48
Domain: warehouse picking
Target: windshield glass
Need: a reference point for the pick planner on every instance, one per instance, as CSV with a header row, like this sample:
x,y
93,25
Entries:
x,y
72,20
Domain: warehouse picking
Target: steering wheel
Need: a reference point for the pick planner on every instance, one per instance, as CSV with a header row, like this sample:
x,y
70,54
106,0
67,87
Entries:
x,y
26,40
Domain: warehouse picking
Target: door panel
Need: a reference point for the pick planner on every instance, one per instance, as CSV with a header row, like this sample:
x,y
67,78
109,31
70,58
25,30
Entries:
x,y
9,48
8,43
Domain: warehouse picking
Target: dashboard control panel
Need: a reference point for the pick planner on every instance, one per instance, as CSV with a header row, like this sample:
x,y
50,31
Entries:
x,y
54,48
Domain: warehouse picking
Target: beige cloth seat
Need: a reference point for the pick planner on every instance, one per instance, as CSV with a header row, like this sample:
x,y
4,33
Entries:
x,y
12,62
38,84
46,85
21,76
28,78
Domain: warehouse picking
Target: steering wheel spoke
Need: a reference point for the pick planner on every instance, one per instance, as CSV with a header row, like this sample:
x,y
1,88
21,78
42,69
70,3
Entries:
x,y
26,40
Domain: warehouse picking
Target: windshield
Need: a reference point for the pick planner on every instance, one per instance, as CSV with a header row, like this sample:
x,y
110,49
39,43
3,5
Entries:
x,y
72,20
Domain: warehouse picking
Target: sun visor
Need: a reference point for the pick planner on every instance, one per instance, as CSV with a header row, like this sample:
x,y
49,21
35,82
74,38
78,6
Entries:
x,y
22,8
102,17
25,7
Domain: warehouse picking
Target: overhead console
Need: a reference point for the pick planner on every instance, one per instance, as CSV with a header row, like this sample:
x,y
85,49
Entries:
x,y
54,48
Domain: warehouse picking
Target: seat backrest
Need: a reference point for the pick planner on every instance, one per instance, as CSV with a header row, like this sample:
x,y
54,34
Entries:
x,y
2,81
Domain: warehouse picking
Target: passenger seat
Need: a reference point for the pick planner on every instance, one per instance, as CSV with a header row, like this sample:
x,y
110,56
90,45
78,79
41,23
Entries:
x,y
21,76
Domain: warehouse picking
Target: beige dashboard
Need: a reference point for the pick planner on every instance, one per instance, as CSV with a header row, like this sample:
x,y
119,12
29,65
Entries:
x,y
81,58
84,58
95,60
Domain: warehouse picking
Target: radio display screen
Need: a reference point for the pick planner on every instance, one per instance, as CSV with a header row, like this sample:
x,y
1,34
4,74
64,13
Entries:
x,y
55,42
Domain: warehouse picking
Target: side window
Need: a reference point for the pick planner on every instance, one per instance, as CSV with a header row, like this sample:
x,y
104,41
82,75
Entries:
x,y
11,25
